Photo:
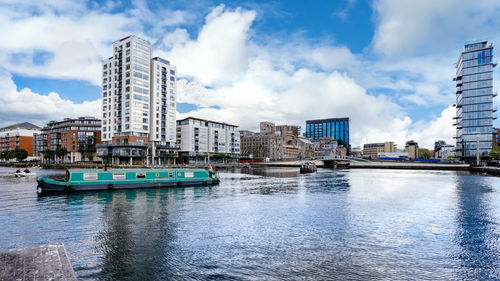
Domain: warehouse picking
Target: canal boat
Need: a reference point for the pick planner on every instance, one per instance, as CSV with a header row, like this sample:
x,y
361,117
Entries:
x,y
111,179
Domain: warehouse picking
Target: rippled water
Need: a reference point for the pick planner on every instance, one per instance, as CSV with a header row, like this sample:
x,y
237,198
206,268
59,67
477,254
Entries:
x,y
345,225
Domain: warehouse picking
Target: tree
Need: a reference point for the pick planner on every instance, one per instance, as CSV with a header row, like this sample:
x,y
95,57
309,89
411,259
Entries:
x,y
61,152
47,154
87,155
19,153
495,153
424,153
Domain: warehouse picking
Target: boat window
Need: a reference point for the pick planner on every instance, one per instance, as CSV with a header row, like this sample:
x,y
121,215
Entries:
x,y
141,175
89,177
188,174
119,176
170,174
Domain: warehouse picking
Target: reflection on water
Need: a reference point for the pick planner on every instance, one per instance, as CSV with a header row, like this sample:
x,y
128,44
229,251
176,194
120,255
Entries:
x,y
477,234
270,224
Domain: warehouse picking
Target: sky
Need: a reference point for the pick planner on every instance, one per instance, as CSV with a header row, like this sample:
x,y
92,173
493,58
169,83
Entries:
x,y
388,65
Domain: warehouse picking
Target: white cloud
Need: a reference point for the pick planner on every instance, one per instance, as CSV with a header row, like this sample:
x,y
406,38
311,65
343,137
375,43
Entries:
x,y
220,53
420,27
25,105
440,128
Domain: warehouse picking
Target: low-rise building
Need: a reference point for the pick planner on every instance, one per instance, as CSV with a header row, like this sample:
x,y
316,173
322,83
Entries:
x,y
204,140
400,155
276,142
18,135
78,135
412,148
373,149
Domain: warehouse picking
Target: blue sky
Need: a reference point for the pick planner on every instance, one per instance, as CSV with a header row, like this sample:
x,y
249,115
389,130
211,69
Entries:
x,y
388,65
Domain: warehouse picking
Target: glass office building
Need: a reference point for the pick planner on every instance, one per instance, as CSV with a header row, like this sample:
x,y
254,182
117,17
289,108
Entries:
x,y
475,111
337,128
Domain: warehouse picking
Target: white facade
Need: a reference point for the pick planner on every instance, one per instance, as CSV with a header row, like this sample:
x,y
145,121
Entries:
x,y
393,155
138,93
163,101
199,136
19,132
445,151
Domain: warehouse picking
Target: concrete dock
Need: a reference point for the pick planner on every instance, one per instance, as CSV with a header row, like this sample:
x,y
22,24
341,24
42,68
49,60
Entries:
x,y
44,262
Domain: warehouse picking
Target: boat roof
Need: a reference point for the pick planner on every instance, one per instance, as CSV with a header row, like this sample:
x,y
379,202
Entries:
x,y
133,170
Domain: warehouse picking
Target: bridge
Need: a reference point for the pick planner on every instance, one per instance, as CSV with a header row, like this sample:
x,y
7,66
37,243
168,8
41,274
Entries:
x,y
354,162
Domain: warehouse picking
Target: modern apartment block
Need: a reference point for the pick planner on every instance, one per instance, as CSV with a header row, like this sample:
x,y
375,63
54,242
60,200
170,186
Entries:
x,y
474,116
337,128
18,135
139,105
373,149
200,138
78,135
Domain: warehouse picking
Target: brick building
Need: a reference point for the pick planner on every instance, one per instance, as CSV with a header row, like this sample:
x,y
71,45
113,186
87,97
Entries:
x,y
78,135
18,135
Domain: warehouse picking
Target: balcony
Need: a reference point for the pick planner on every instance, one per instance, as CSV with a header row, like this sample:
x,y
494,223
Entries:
x,y
459,105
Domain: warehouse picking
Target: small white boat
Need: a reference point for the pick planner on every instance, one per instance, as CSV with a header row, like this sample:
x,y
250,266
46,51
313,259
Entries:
x,y
23,174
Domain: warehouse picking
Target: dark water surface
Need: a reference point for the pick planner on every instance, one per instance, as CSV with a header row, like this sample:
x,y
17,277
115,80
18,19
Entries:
x,y
345,225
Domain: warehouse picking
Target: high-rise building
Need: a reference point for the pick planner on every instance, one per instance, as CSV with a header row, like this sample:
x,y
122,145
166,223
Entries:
x,y
337,128
139,104
474,82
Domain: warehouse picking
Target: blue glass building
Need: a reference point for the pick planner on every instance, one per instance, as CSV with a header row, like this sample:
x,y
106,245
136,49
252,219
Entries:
x,y
474,82
336,128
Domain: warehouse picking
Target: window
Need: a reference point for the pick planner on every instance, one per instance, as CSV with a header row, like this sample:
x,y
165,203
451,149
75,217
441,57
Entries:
x,y
118,176
141,175
170,174
90,176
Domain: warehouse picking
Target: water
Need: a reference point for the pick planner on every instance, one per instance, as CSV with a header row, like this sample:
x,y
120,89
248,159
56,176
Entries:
x,y
345,225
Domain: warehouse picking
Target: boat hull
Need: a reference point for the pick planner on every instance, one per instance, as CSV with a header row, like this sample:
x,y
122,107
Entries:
x,y
45,188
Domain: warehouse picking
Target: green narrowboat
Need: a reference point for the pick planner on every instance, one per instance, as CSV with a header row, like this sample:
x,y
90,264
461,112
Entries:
x,y
110,179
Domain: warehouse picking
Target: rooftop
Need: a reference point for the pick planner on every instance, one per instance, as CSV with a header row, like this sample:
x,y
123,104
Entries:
x,y
23,125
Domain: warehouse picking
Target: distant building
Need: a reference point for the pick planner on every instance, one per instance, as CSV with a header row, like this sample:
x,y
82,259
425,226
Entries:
x,y
329,147
445,151
496,137
372,149
411,148
336,128
356,152
18,135
438,144
474,116
401,155
200,139
78,135
276,142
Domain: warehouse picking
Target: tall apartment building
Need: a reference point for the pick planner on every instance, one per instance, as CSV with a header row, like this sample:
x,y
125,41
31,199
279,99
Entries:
x,y
139,104
474,116
200,138
78,135
337,128
18,135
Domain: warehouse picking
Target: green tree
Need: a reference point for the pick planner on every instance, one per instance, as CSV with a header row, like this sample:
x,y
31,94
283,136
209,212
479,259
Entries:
x,y
495,153
47,154
61,152
20,154
87,155
424,153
